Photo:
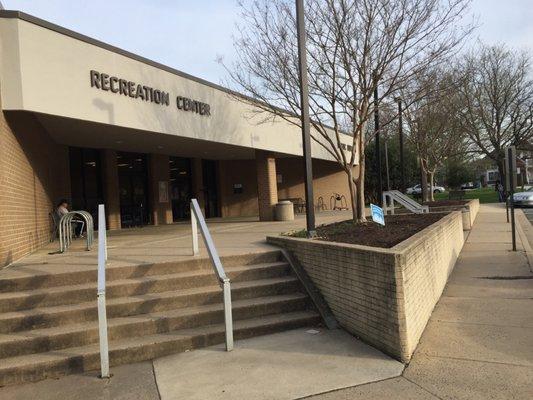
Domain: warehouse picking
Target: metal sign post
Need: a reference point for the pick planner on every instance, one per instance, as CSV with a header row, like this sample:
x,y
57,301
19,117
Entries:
x,y
510,185
377,134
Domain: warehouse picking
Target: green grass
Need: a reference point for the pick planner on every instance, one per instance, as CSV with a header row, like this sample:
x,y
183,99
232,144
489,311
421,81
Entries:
x,y
485,195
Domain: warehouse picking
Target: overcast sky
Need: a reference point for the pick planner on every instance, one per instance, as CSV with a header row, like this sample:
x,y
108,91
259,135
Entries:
x,y
190,35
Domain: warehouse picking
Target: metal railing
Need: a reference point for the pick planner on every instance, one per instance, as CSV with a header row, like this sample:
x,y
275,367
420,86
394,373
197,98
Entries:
x,y
102,315
65,229
197,218
404,200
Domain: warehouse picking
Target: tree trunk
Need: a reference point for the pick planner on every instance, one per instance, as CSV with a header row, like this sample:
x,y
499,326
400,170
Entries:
x,y
361,213
424,181
431,184
353,192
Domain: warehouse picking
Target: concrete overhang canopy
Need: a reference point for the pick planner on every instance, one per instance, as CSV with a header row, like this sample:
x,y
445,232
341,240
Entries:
x,y
50,70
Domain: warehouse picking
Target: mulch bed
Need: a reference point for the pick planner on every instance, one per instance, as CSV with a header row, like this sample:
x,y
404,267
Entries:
x,y
397,228
444,203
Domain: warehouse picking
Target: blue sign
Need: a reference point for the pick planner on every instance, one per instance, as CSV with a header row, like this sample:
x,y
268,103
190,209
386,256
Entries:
x,y
377,214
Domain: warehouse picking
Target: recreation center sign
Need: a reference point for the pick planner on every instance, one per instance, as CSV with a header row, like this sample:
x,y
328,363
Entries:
x,y
134,90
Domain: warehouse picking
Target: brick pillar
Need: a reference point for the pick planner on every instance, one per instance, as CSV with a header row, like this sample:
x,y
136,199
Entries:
x,y
267,185
198,182
160,189
111,188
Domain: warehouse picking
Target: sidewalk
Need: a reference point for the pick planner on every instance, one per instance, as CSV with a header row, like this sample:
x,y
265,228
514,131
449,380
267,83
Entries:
x,y
479,341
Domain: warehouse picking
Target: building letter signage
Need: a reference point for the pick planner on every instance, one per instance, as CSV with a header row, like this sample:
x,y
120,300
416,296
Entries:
x,y
134,90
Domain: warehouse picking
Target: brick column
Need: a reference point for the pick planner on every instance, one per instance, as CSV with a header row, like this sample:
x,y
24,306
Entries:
x,y
111,188
267,185
198,182
159,184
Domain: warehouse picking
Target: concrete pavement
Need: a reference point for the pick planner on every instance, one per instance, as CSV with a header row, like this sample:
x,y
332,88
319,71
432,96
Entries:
x,y
158,244
286,365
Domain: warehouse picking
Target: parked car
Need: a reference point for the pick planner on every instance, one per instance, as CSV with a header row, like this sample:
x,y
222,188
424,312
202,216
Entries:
x,y
523,199
417,189
468,186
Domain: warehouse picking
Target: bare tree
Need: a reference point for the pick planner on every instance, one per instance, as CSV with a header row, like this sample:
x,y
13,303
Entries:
x,y
497,99
353,46
433,123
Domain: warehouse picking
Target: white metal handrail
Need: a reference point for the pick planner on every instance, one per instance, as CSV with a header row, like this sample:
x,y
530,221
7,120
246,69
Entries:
x,y
65,229
197,218
102,315
406,201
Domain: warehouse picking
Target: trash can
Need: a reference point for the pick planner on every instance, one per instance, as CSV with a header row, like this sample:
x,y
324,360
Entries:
x,y
285,211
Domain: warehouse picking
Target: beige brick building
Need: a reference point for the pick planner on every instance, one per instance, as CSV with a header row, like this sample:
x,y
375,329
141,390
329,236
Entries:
x,y
91,123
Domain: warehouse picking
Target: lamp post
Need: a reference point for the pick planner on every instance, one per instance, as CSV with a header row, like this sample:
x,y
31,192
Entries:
x,y
376,132
306,134
400,134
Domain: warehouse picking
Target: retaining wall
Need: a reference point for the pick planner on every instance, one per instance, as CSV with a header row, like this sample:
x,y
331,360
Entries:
x,y
383,296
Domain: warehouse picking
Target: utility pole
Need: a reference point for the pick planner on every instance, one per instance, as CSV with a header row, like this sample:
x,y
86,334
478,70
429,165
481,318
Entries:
x,y
510,186
306,133
376,132
400,134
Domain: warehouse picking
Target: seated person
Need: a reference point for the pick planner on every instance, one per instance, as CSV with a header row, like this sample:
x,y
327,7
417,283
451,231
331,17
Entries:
x,y
62,209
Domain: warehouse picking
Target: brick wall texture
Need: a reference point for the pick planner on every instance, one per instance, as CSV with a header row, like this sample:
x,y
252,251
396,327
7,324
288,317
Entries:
x,y
383,296
267,188
328,178
160,172
34,175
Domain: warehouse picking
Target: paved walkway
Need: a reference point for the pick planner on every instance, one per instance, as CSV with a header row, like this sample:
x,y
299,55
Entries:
x,y
477,345
153,244
479,341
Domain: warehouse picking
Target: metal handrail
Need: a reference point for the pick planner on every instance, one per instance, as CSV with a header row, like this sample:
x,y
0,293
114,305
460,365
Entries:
x,y
197,218
100,293
406,201
65,229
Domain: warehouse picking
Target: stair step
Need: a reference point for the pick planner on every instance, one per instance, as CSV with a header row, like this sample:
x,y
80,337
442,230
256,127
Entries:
x,y
40,340
47,317
16,301
57,363
40,277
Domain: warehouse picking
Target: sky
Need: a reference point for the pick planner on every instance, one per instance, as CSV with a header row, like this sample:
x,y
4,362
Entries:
x,y
191,35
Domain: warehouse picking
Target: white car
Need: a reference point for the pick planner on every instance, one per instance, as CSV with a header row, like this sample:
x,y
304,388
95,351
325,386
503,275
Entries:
x,y
417,189
523,199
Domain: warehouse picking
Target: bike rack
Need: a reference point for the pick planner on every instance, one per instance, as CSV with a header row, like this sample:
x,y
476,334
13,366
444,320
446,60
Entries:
x,y
65,229
336,197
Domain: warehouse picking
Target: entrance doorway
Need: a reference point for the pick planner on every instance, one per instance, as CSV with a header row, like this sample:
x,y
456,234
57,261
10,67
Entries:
x,y
210,179
180,187
85,180
133,186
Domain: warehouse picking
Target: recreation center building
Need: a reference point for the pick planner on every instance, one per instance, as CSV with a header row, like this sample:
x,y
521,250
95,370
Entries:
x,y
92,123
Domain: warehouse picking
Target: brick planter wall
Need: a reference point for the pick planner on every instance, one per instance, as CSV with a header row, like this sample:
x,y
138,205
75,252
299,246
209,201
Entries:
x,y
469,211
383,296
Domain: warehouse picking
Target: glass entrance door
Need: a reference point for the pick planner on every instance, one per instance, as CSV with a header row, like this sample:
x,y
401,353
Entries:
x,y
180,187
210,179
133,185
85,180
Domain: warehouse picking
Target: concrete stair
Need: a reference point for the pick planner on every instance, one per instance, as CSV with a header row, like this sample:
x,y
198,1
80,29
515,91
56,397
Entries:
x,y
49,327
